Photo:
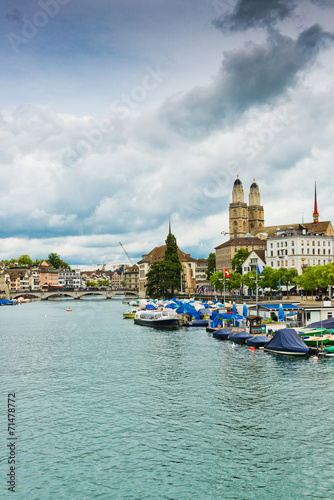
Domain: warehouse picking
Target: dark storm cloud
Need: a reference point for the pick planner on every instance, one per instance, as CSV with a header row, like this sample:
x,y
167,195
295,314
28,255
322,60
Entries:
x,y
256,13
255,75
15,15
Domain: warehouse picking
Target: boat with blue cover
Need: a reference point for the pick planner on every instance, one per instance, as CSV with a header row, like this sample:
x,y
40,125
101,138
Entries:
x,y
287,341
222,333
240,337
258,341
198,322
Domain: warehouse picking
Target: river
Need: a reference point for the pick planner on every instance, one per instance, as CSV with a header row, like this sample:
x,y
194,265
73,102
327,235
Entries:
x,y
108,409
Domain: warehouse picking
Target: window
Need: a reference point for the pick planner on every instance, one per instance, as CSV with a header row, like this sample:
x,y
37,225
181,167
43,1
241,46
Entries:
x,y
293,262
329,314
302,242
318,243
313,243
308,251
324,251
286,243
329,252
293,251
271,253
271,264
318,251
319,262
313,251
307,243
324,243
302,250
292,243
329,243
271,245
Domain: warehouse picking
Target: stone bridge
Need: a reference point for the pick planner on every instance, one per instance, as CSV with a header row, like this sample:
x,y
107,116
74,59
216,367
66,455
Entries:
x,y
109,294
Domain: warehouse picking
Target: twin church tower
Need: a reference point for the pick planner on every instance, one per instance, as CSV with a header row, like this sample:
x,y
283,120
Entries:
x,y
245,218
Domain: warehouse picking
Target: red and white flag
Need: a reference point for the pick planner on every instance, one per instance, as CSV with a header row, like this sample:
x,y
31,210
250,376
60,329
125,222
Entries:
x,y
226,273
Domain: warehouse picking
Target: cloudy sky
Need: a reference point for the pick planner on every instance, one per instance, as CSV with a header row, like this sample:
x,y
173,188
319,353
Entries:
x,y
116,115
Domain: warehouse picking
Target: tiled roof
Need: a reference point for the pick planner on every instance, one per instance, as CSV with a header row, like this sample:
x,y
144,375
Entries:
x,y
261,254
241,242
321,227
158,254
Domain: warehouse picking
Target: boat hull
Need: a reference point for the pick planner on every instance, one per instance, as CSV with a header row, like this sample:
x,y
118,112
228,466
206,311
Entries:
x,y
167,323
286,353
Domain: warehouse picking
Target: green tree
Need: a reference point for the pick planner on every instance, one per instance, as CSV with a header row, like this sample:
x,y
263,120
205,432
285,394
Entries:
x,y
157,277
217,280
269,279
91,283
287,277
25,260
239,258
164,277
211,265
55,261
249,279
234,282
307,280
324,275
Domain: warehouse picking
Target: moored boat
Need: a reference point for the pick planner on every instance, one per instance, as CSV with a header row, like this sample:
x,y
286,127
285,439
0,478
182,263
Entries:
x,y
240,337
257,341
130,313
287,341
197,323
221,333
316,341
157,319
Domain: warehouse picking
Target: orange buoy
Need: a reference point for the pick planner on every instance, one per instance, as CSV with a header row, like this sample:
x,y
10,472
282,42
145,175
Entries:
x,y
315,358
252,348
69,309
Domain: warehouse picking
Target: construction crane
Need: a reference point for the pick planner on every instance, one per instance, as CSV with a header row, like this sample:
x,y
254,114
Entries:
x,y
126,253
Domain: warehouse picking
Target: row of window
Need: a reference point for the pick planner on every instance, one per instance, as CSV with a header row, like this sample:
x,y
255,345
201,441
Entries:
x,y
285,263
285,252
285,243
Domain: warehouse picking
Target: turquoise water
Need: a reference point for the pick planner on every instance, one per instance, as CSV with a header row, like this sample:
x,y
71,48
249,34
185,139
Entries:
x,y
112,410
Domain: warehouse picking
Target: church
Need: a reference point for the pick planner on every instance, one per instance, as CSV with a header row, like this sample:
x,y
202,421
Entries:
x,y
245,219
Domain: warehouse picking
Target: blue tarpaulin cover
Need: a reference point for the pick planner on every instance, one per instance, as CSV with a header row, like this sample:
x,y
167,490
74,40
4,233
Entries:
x,y
188,309
239,336
222,333
257,341
326,323
287,340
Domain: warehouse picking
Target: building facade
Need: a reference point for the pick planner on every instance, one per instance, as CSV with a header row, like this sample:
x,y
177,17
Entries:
x,y
131,277
69,279
226,251
254,258
299,248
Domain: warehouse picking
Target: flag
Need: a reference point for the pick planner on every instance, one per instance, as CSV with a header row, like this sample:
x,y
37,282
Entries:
x,y
226,273
259,268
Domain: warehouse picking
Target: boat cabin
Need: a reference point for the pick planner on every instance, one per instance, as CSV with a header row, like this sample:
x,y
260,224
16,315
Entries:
x,y
254,324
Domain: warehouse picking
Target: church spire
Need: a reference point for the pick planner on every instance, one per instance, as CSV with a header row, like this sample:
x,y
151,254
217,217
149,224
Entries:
x,y
315,211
